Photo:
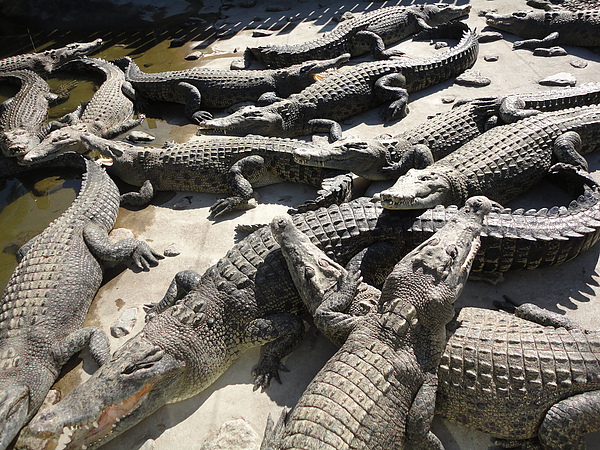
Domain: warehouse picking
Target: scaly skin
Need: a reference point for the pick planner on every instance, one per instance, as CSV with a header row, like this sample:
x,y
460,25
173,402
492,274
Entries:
x,y
107,114
47,61
48,295
378,390
232,165
366,32
580,28
22,116
248,298
216,88
524,383
501,163
347,92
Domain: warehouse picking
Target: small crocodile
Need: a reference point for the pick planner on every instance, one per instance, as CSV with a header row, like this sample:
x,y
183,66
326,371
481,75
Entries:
x,y
48,295
370,31
474,389
378,390
350,91
22,116
527,379
248,298
217,88
107,114
388,158
501,163
580,28
232,165
47,61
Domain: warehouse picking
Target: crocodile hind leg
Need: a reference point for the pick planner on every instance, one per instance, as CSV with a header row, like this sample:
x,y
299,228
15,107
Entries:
x,y
280,333
534,313
193,100
391,88
141,198
566,148
92,337
420,416
513,109
568,421
334,190
331,127
183,283
123,127
374,41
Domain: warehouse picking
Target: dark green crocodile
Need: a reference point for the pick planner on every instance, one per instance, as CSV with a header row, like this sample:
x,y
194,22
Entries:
x,y
48,295
580,28
232,165
378,390
527,379
501,163
216,88
350,91
107,114
370,31
248,299
440,135
47,61
22,116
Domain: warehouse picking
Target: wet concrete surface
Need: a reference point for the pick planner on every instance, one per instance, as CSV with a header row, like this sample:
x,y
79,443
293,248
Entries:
x,y
571,289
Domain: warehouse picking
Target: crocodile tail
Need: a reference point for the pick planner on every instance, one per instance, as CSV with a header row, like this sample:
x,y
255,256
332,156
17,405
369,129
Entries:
x,y
274,431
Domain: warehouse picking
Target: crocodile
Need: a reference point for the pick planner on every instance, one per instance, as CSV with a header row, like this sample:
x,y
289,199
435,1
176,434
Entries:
x,y
49,60
22,116
370,31
218,88
378,390
580,28
528,379
349,91
49,293
386,158
571,5
232,165
107,114
473,388
501,163
248,298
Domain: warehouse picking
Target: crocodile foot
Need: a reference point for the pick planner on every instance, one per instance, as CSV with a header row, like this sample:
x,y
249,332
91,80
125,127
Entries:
x,y
266,370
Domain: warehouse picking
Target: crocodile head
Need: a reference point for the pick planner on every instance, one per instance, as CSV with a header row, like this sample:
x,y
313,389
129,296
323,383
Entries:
x,y
440,13
516,23
265,121
72,51
17,142
106,147
295,78
14,412
55,143
136,381
417,189
364,157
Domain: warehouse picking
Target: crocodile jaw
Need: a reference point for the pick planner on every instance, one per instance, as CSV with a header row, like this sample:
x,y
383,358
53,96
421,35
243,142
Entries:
x,y
445,13
135,382
249,120
57,142
416,190
14,412
17,142
514,23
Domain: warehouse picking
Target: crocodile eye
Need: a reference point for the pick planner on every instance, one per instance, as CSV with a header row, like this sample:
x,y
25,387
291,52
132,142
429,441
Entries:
x,y
131,368
309,272
520,14
452,251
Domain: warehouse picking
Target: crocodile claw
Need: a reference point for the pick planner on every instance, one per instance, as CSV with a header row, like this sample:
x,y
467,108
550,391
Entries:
x,y
201,116
265,371
224,205
144,257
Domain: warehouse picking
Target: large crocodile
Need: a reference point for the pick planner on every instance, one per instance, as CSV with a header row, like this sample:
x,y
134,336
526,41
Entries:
x,y
232,165
481,382
248,299
581,28
351,90
22,116
217,88
48,295
501,163
527,379
48,60
370,31
438,136
107,114
378,390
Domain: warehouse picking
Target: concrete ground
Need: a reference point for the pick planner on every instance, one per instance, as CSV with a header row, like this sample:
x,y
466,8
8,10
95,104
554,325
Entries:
x,y
571,288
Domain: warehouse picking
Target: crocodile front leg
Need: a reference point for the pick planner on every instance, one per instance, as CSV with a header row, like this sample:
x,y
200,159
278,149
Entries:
x,y
183,283
141,198
334,190
92,337
374,41
239,185
281,333
123,127
417,156
391,88
420,416
331,127
193,100
566,148
96,238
